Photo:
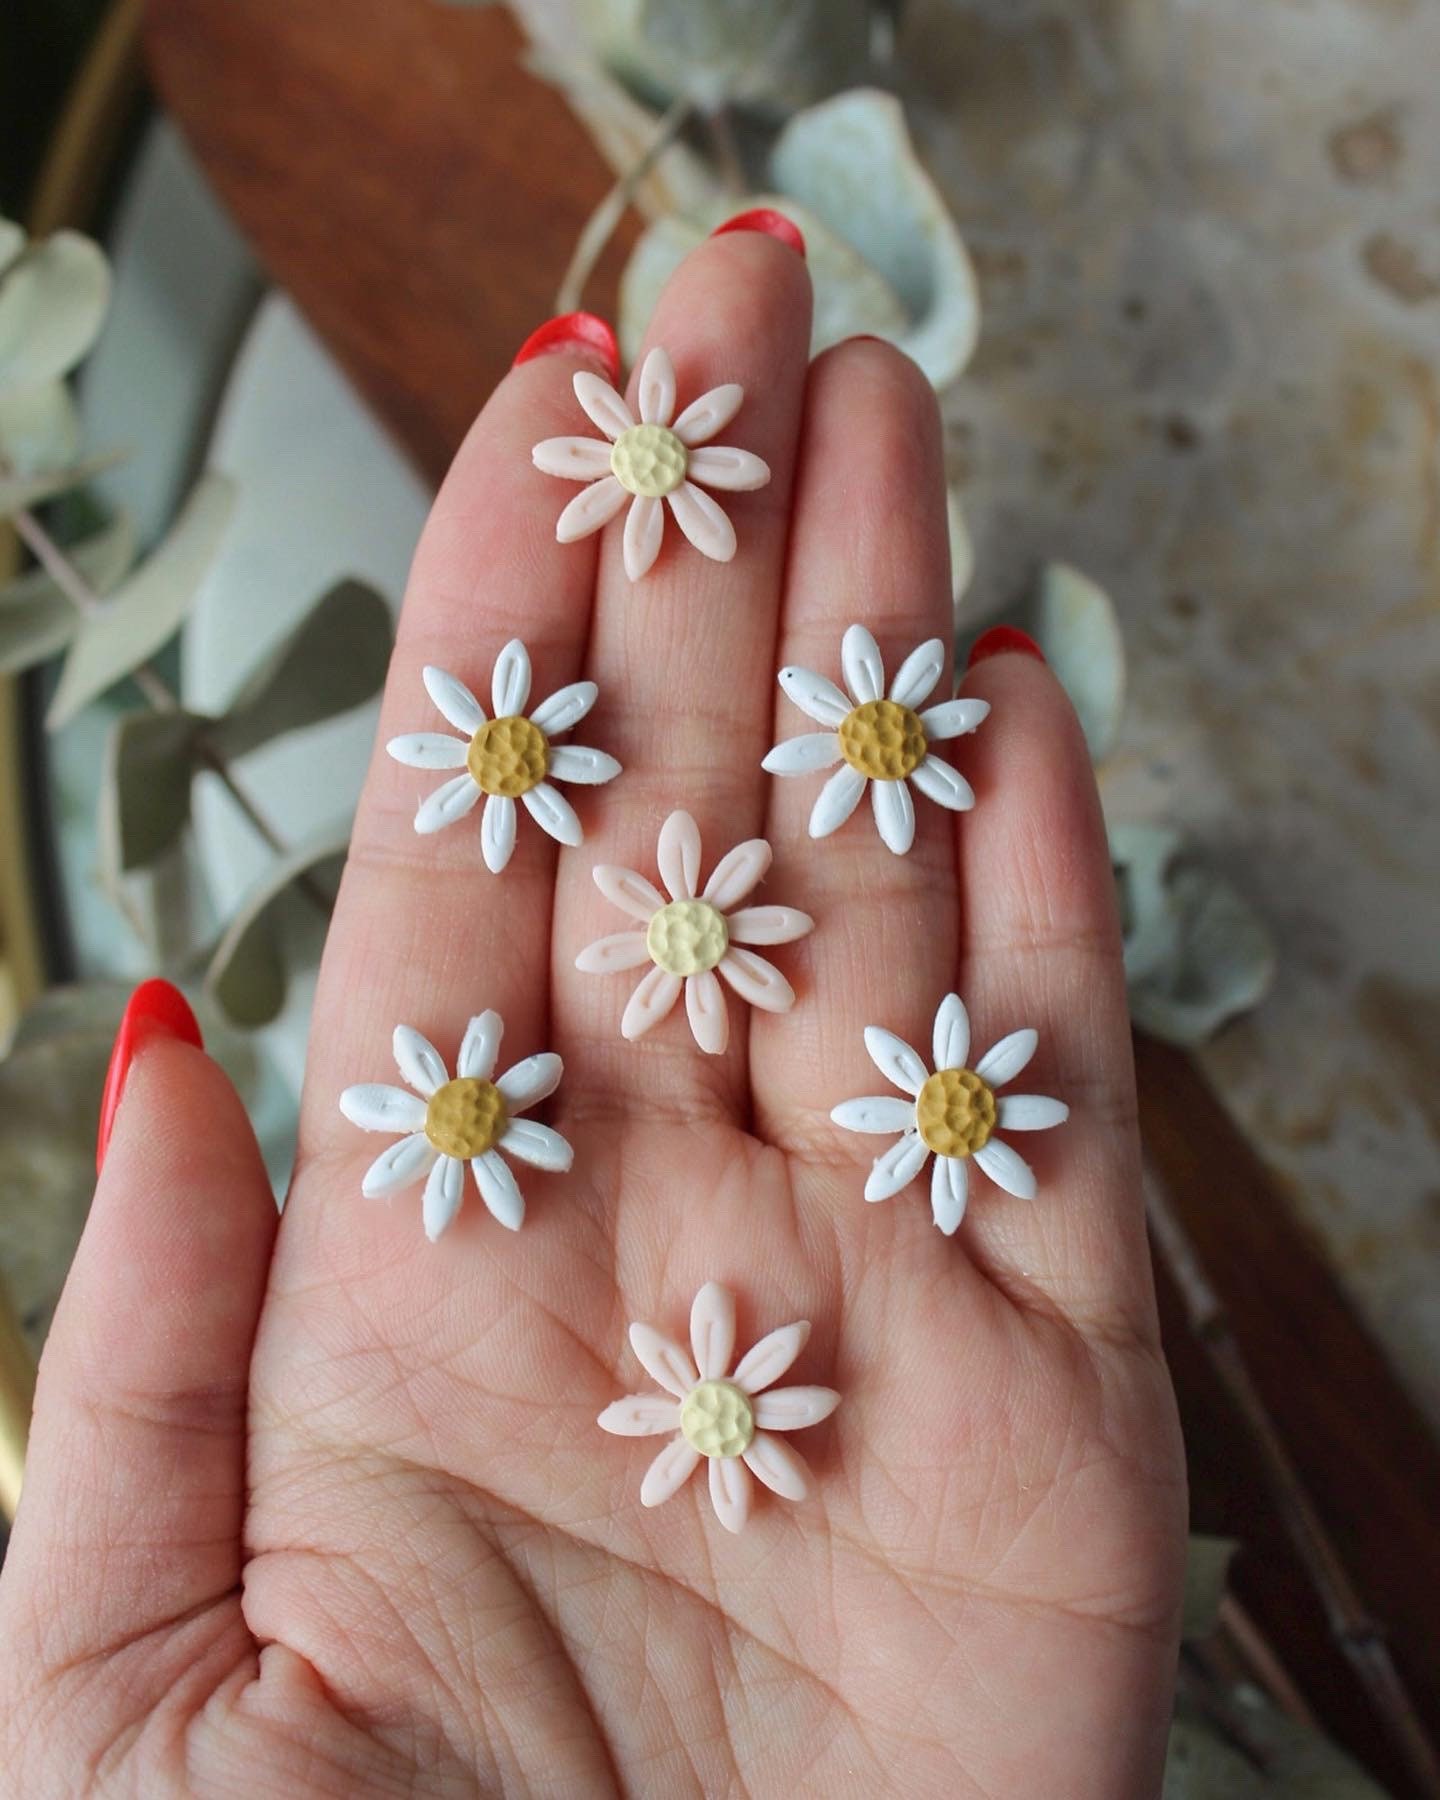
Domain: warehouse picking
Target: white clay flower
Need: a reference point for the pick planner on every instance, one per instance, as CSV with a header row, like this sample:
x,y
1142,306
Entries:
x,y
689,937
730,1419
650,462
505,759
449,1123
953,1112
879,738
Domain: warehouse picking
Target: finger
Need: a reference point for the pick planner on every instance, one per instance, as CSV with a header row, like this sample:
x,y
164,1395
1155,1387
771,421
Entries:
x,y
685,658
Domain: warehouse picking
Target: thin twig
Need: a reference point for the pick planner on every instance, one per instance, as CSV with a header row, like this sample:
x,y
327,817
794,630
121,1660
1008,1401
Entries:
x,y
721,130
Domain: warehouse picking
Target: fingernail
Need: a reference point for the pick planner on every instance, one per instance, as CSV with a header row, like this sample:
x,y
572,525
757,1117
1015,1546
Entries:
x,y
773,224
573,331
1002,640
865,337
156,1010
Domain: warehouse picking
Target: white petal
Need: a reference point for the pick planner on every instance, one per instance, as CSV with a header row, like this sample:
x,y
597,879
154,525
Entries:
x,y
400,1166
510,683
565,708
572,458
1004,1061
678,855
603,406
709,1016
894,814
497,832
769,925
450,802
1007,1169
919,672
418,1060
609,955
552,812
731,1489
712,1330
802,755
953,718
640,1415
669,1472
732,471
793,1408
766,1361
756,980
938,782
499,1190
815,696
897,1168
573,762
480,1046
779,1465
654,997
951,1041
837,800
737,871
862,665
880,1113
443,1193
712,412
656,392
1030,1112
591,508
895,1060
531,1081
644,532
704,521
949,1183
663,1360
632,893
429,750
374,1106
537,1145
454,701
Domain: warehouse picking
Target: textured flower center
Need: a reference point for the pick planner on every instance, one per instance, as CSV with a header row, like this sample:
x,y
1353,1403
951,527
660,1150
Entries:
x,y
955,1111
718,1419
649,460
508,756
687,937
883,740
465,1118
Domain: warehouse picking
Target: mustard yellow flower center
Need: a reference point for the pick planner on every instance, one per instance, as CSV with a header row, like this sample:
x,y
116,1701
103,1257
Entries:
x,y
718,1419
687,936
465,1118
508,756
955,1111
649,460
883,740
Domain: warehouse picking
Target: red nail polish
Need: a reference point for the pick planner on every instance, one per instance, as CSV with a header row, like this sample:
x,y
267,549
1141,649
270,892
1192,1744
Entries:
x,y
866,337
156,1010
1001,640
573,331
773,224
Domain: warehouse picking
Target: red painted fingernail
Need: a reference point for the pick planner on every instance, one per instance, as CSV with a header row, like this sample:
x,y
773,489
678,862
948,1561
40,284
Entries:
x,y
573,331
156,1010
773,224
1001,640
865,337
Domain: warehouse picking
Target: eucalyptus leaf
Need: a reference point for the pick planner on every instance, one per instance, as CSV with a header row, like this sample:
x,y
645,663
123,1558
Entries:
x,y
277,928
1281,1760
145,787
1207,1570
1076,625
39,429
148,608
53,299
37,619
18,491
12,242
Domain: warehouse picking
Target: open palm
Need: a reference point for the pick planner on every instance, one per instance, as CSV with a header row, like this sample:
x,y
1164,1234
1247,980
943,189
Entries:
x,y
389,1551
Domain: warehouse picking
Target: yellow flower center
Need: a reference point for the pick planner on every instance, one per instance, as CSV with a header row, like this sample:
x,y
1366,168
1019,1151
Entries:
x,y
649,460
465,1118
508,756
883,740
955,1111
718,1419
687,937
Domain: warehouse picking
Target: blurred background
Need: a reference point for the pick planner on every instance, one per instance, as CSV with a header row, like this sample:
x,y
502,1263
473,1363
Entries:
x,y
1174,271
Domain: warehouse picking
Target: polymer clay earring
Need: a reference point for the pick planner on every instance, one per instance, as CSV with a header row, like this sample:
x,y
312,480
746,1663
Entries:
x,y
505,759
881,739
689,938
448,1123
651,461
730,1419
952,1113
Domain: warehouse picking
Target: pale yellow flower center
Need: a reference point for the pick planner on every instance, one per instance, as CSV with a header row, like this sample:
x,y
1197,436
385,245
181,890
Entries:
x,y
718,1419
883,740
465,1118
687,937
649,460
508,756
955,1111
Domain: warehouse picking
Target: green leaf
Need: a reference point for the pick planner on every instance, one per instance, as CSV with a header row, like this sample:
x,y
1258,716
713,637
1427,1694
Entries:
x,y
1075,623
53,299
145,787
334,660
148,608
37,619
1207,1570
277,928
19,492
12,242
39,429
